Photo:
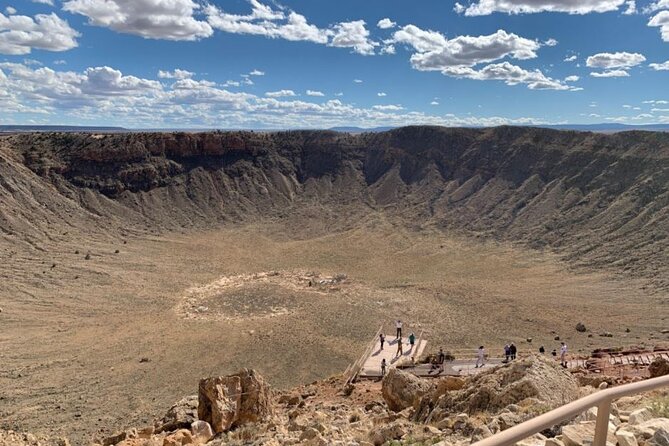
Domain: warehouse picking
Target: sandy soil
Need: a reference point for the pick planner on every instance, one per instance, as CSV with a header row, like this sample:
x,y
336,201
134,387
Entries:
x,y
73,331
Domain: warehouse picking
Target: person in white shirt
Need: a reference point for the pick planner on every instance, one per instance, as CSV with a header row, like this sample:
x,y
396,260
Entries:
x,y
398,326
563,354
480,357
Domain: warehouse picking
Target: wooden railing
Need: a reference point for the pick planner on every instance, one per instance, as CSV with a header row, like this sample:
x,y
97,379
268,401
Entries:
x,y
353,370
602,400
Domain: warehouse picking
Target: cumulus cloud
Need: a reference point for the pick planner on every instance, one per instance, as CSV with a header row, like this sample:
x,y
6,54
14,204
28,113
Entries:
x,y
436,53
280,93
104,94
459,57
44,2
267,22
391,107
656,6
357,81
176,74
386,23
571,58
353,35
511,75
381,94
315,93
257,73
571,78
151,19
615,60
551,42
661,20
631,7
610,73
434,103
21,34
487,7
660,66
9,10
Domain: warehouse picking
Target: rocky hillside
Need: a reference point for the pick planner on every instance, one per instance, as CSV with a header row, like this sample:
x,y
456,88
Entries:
x,y
602,201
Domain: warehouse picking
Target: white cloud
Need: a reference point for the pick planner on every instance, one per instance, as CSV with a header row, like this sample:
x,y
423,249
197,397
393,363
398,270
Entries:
x,y
315,93
340,94
511,75
459,8
381,94
60,62
353,35
280,93
436,53
386,23
390,107
151,19
487,7
388,49
610,73
631,7
434,103
357,81
551,42
9,10
656,6
32,62
45,2
661,20
659,110
267,22
176,74
573,78
614,64
571,58
231,84
660,66
21,34
257,73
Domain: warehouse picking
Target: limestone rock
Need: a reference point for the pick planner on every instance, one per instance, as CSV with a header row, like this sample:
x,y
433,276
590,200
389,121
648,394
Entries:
x,y
201,431
180,416
534,440
393,431
639,416
402,390
647,429
179,438
659,367
553,442
626,438
234,400
660,438
584,433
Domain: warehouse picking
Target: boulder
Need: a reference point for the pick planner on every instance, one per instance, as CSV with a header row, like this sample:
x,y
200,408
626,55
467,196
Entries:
x,y
640,416
401,390
234,400
179,438
180,416
660,438
659,367
201,431
580,327
626,438
647,429
553,442
393,431
534,440
583,433
448,384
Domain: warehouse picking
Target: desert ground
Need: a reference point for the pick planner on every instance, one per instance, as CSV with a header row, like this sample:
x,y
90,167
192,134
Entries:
x,y
88,346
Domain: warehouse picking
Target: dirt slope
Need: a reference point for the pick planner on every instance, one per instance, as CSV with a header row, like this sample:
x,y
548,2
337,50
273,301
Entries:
x,y
599,200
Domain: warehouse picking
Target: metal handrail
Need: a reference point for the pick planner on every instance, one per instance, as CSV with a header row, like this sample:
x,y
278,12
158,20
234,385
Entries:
x,y
602,400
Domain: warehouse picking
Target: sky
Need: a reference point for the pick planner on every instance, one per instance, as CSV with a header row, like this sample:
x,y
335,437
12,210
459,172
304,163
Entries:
x,y
281,64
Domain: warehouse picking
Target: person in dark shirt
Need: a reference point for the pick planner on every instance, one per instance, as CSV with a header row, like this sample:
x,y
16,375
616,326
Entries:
x,y
382,339
513,350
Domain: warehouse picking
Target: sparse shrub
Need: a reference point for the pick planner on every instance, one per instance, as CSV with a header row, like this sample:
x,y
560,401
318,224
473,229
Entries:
x,y
88,256
660,407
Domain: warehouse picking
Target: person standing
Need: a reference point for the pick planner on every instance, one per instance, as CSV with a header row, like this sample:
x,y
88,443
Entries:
x,y
513,350
412,341
480,357
440,360
399,347
383,367
382,339
563,354
398,327
507,353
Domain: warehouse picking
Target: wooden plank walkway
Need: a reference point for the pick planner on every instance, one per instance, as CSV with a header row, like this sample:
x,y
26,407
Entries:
x,y
372,364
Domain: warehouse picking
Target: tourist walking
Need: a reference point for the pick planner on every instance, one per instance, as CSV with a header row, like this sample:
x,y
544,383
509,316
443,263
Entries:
x,y
480,357
563,354
382,339
412,341
513,350
383,367
507,353
399,347
440,360
398,327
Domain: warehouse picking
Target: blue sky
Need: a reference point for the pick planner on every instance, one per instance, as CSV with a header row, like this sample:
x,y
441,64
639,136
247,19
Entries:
x,y
318,64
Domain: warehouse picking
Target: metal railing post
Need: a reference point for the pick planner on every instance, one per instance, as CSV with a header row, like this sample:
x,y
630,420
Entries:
x,y
602,423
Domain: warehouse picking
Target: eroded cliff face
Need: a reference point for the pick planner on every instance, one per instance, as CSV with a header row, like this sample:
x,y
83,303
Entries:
x,y
600,200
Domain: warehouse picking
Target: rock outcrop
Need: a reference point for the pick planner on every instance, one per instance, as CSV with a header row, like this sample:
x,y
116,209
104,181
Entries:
x,y
537,379
402,390
234,400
